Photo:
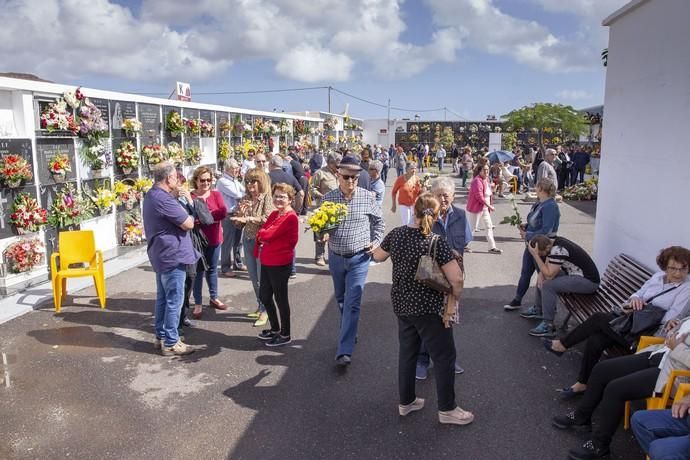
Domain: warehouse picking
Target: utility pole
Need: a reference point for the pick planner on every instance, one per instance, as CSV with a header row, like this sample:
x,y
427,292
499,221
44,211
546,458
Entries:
x,y
444,113
329,98
388,125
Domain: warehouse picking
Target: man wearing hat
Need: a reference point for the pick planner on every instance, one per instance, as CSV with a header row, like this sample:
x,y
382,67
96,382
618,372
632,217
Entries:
x,y
349,251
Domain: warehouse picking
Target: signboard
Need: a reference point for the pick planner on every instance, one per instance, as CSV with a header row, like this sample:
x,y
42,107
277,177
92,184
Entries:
x,y
495,141
183,91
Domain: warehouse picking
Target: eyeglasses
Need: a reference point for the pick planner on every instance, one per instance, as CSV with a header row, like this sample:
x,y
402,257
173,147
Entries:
x,y
205,181
261,161
280,197
348,177
676,269
373,169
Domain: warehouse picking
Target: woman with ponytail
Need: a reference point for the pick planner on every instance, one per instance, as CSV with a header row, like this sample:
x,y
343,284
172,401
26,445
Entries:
x,y
422,313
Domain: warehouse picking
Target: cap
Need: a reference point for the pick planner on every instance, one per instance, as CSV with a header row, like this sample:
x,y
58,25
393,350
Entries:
x,y
350,162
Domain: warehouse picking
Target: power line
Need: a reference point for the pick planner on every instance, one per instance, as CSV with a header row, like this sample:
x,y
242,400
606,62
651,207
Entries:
x,y
214,93
399,109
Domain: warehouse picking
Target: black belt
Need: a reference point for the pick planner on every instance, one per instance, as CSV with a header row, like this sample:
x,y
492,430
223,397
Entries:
x,y
348,256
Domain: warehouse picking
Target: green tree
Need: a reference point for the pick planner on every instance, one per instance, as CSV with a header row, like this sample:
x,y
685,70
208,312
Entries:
x,y
545,115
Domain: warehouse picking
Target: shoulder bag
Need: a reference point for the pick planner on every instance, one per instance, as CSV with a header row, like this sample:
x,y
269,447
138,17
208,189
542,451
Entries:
x,y
428,271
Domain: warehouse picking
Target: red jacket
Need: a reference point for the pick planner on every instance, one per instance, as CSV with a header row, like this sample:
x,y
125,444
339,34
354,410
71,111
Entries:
x,y
476,198
215,203
277,238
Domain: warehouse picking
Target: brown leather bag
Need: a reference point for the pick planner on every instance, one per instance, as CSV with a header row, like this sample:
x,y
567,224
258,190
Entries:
x,y
428,271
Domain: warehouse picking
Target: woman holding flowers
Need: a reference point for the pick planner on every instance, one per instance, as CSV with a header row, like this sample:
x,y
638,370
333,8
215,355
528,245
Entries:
x,y
202,180
275,248
406,189
251,213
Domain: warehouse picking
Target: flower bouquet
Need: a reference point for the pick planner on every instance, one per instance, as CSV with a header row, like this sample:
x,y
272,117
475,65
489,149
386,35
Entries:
x,y
207,129
327,218
74,98
126,194
193,156
300,127
92,156
127,157
175,153
425,181
174,123
68,209
154,153
132,231
225,150
237,126
143,185
192,126
474,128
59,165
23,255
27,215
104,199
131,126
92,126
58,118
247,132
14,169
224,127
584,191
259,126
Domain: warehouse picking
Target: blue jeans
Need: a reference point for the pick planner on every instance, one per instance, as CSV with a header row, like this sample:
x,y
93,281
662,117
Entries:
x,y
660,435
253,268
349,275
230,247
211,254
526,272
169,297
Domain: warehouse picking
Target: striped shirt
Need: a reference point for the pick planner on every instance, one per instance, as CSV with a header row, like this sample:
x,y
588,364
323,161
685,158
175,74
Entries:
x,y
363,227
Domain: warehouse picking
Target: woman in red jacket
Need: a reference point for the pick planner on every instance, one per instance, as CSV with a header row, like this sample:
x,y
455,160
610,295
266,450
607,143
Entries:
x,y
275,248
214,234
479,204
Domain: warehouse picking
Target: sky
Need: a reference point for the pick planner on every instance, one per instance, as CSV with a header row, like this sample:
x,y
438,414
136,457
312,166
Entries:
x,y
473,57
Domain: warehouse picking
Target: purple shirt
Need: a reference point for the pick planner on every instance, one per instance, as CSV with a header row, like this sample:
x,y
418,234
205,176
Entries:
x,y
168,245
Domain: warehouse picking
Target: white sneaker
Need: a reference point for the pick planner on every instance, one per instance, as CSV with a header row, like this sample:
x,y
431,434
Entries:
x,y
417,404
456,416
179,349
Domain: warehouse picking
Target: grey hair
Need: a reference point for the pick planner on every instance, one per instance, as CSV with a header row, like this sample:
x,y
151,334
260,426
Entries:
x,y
549,151
547,186
332,156
276,161
162,170
230,164
376,164
409,163
442,183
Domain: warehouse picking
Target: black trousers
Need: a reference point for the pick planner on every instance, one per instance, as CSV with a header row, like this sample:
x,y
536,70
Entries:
x,y
274,284
188,284
598,335
613,382
441,347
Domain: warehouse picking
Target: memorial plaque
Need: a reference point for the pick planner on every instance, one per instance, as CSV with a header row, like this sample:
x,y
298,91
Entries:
x,y
167,137
45,149
20,147
190,113
119,112
7,197
150,118
104,107
206,115
190,142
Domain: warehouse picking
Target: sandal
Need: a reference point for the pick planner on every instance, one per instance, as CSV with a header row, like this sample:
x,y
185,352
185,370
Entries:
x,y
496,251
217,304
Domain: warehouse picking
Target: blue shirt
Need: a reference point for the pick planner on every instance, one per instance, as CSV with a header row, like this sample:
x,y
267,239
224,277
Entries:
x,y
455,228
168,244
543,219
379,189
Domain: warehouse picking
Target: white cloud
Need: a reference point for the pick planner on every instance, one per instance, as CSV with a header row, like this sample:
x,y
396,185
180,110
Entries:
x,y
306,63
573,95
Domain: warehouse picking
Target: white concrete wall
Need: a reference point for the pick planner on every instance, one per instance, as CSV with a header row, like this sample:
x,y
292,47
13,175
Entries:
x,y
644,202
372,129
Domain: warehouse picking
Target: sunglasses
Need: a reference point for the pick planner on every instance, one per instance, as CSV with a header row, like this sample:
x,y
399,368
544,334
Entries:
x,y
348,177
251,181
205,181
261,161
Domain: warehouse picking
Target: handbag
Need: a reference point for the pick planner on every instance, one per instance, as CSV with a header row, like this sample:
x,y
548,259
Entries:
x,y
202,212
429,273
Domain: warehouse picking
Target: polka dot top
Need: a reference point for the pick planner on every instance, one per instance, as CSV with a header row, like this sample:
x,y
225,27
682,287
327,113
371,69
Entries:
x,y
407,245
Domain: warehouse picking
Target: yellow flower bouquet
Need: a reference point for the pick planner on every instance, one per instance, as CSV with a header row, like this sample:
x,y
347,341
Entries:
x,y
327,218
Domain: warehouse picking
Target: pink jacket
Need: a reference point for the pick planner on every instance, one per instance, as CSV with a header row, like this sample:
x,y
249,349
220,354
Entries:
x,y
475,200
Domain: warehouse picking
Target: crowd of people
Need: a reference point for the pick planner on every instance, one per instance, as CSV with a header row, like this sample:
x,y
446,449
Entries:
x,y
248,220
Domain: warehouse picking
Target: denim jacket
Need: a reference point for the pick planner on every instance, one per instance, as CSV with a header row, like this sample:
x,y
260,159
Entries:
x,y
543,219
457,232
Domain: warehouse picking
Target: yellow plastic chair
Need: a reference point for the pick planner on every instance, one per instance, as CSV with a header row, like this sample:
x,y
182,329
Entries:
x,y
76,247
514,185
656,402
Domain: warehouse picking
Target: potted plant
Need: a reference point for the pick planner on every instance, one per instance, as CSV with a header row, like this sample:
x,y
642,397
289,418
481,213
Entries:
x,y
59,165
127,157
23,255
154,153
92,156
174,124
27,215
14,169
193,156
68,209
131,126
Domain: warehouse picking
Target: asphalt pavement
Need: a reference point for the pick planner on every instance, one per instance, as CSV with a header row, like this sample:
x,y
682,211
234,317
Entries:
x,y
88,384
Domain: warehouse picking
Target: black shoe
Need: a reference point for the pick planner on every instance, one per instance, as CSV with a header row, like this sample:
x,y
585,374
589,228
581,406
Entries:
x,y
278,341
513,305
267,334
548,344
570,421
589,451
343,361
293,275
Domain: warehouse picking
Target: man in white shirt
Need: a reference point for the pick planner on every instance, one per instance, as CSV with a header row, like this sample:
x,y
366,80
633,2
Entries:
x,y
546,169
248,162
232,189
440,157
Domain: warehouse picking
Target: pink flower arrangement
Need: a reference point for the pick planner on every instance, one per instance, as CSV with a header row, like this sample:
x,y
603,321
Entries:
x,y
27,215
126,156
207,129
22,256
58,118
192,126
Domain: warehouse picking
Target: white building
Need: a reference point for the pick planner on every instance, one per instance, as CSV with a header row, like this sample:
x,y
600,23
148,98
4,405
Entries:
x,y
645,168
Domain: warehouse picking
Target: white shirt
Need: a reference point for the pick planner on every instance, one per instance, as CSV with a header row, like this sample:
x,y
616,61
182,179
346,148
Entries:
x,y
674,302
247,164
231,189
441,153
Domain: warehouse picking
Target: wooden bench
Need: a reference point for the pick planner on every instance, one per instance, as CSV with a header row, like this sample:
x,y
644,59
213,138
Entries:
x,y
623,276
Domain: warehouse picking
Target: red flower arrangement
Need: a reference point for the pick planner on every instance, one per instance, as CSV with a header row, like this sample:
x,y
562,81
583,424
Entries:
x,y
207,129
27,215
57,117
22,256
14,169
193,126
